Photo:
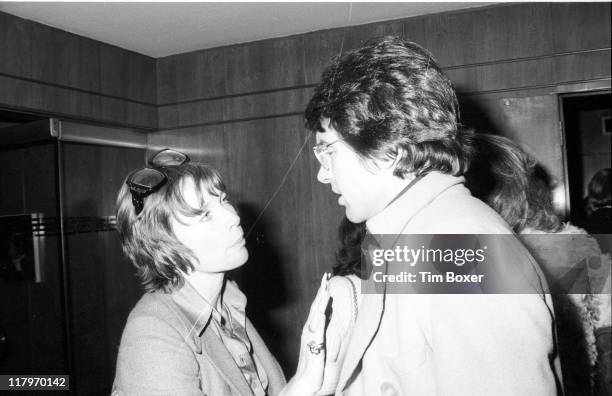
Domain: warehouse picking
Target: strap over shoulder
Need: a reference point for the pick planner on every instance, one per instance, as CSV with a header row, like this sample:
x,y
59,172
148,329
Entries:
x,y
345,305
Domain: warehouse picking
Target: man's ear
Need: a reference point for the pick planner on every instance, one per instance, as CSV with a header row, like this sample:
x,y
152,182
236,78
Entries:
x,y
401,153
390,163
386,164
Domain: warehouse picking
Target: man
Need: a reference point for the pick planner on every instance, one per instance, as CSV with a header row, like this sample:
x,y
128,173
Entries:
x,y
390,145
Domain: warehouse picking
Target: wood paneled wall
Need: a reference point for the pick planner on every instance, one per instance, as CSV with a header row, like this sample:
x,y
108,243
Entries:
x,y
53,72
31,314
103,287
240,109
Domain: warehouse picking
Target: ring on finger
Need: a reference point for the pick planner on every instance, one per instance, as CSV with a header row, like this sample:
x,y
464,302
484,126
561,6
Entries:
x,y
315,348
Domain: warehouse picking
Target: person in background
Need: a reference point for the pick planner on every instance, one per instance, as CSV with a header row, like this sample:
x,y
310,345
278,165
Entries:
x,y
348,256
509,180
189,334
389,144
599,206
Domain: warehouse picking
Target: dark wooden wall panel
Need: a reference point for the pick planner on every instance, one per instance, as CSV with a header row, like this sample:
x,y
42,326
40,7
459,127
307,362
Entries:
x,y
356,36
51,71
197,75
31,313
66,103
39,178
92,369
504,76
530,120
579,27
168,116
319,49
484,35
202,144
583,67
166,78
11,182
53,54
200,112
15,39
127,75
103,288
265,65
281,273
243,103
88,74
231,108
267,104
45,309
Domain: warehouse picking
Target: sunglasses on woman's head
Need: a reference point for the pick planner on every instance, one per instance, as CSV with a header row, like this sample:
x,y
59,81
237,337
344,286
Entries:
x,y
145,181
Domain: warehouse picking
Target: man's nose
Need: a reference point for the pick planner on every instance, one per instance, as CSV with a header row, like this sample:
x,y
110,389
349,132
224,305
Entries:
x,y
324,176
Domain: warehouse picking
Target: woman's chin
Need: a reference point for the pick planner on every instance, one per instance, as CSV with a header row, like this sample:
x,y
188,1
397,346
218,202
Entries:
x,y
237,258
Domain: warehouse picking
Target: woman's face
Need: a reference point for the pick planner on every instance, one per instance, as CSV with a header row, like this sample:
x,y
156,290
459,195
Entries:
x,y
215,237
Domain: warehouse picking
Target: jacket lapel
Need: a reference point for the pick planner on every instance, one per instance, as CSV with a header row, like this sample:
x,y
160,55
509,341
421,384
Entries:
x,y
214,350
276,378
392,220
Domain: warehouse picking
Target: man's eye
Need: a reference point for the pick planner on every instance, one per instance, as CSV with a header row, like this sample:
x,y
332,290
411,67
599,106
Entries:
x,y
205,215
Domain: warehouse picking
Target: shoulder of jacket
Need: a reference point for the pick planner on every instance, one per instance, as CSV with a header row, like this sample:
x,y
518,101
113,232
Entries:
x,y
157,310
458,212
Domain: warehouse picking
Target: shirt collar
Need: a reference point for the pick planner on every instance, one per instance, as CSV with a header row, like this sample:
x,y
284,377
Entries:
x,y
394,218
198,312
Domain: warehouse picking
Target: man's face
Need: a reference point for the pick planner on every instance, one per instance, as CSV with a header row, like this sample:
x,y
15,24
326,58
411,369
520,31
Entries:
x,y
362,190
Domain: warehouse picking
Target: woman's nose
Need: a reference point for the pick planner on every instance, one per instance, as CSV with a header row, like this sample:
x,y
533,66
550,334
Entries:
x,y
231,215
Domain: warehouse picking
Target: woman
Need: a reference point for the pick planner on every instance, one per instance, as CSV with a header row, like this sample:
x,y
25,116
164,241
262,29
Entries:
x,y
599,208
189,334
509,180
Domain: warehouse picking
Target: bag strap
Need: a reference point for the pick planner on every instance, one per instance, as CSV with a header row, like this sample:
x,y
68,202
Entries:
x,y
355,298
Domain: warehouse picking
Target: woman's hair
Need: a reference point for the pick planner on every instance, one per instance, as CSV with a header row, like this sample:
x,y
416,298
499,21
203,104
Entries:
x,y
148,239
390,99
600,190
510,181
348,256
